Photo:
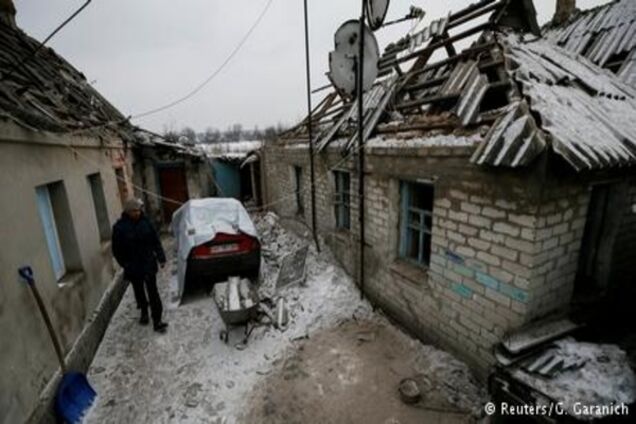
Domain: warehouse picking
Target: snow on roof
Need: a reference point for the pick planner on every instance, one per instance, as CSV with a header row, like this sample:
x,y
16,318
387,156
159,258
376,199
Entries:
x,y
231,150
532,95
606,35
586,110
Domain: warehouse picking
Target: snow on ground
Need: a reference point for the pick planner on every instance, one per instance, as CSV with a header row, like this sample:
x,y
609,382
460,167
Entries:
x,y
188,375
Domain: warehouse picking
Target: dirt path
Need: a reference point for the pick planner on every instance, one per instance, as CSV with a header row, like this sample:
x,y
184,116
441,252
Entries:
x,y
348,374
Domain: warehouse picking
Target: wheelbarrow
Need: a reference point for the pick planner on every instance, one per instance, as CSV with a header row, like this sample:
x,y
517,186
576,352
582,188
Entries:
x,y
236,313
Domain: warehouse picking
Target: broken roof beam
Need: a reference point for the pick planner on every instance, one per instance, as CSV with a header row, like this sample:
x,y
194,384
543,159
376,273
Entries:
x,y
436,45
443,97
436,98
464,54
475,13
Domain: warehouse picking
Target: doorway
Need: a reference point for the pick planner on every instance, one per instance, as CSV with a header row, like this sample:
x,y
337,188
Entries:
x,y
601,227
173,185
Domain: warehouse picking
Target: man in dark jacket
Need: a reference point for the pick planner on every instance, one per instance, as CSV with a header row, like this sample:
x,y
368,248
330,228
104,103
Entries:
x,y
137,248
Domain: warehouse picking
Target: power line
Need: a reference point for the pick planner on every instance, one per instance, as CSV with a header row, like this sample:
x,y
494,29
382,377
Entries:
x,y
215,73
46,40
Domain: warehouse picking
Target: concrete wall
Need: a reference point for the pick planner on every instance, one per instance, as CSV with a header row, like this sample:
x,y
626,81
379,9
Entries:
x,y
29,159
505,243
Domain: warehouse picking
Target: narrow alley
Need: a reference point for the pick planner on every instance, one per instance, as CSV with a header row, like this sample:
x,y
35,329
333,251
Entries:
x,y
336,360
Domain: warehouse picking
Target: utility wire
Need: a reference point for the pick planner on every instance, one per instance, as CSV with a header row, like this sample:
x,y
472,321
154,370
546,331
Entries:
x,y
215,73
46,40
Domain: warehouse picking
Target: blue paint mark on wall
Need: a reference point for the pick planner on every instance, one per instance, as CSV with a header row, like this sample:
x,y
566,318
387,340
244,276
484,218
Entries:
x,y
462,290
487,280
228,179
473,270
464,271
454,257
513,292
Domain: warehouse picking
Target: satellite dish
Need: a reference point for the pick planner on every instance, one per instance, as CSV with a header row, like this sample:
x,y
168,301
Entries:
x,y
376,12
342,61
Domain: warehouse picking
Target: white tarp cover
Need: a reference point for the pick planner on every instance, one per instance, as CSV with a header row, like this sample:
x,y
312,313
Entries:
x,y
198,221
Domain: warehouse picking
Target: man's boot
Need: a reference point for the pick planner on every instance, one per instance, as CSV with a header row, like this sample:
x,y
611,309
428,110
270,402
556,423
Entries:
x,y
160,327
144,320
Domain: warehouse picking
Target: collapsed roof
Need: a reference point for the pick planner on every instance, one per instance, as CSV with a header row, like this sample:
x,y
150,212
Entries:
x,y
606,35
39,90
524,93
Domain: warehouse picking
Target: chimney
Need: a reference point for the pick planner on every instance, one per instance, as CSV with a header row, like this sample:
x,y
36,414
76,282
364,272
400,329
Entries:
x,y
564,9
7,13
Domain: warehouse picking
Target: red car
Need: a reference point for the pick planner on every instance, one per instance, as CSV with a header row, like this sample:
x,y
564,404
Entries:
x,y
216,239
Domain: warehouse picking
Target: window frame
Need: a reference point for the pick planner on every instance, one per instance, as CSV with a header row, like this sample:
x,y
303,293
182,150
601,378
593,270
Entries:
x,y
96,187
342,199
51,232
419,226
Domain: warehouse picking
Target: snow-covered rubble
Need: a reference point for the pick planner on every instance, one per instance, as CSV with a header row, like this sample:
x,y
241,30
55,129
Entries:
x,y
189,375
605,378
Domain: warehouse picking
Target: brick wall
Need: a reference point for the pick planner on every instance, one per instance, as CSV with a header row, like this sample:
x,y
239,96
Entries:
x,y
558,234
504,247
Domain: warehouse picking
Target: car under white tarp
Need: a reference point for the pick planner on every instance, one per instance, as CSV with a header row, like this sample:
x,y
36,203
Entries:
x,y
198,221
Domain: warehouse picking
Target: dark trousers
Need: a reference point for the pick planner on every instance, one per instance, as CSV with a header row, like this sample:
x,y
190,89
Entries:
x,y
140,287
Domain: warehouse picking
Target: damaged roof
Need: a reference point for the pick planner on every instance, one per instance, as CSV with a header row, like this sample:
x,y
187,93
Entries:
x,y
42,91
518,93
606,35
233,150
145,138
587,113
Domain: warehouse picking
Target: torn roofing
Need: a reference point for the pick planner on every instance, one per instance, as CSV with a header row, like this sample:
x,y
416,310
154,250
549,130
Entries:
x,y
44,92
145,138
525,94
586,111
606,35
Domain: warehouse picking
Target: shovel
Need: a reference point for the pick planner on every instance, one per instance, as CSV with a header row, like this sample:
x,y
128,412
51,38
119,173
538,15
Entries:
x,y
74,394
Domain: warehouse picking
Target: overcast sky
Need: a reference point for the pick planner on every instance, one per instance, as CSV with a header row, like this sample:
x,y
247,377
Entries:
x,y
142,54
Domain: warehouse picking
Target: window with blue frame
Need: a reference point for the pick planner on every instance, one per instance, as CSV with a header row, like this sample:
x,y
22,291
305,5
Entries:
x,y
49,224
342,199
416,221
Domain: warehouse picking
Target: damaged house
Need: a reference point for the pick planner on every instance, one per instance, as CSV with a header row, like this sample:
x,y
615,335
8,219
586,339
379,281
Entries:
x,y
236,168
500,186
175,170
65,170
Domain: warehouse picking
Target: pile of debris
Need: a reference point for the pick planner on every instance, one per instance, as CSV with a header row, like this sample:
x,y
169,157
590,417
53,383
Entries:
x,y
590,374
545,360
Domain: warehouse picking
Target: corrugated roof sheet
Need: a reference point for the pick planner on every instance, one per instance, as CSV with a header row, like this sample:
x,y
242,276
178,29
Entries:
x,y
524,93
513,140
604,35
588,113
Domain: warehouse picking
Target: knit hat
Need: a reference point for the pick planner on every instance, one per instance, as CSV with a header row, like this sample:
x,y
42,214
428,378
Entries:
x,y
132,204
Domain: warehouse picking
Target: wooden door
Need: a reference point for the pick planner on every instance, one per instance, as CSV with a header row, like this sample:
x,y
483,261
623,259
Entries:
x,y
174,189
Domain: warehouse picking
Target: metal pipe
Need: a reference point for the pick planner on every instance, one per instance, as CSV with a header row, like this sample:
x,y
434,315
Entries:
x,y
309,132
360,69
